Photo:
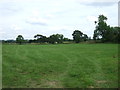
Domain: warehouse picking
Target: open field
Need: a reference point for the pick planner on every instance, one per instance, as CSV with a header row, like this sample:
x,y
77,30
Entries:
x,y
62,65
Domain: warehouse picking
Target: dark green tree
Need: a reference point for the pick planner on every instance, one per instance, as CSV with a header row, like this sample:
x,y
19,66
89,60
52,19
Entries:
x,y
116,34
59,38
104,32
40,38
20,39
102,29
84,37
66,39
77,36
52,39
56,38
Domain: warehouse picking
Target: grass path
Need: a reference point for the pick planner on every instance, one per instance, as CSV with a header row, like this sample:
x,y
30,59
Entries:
x,y
53,66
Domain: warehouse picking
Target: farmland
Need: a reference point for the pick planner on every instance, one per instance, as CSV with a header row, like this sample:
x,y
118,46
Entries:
x,y
60,66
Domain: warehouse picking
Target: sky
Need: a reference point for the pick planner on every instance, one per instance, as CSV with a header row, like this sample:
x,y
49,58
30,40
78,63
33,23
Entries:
x,y
47,17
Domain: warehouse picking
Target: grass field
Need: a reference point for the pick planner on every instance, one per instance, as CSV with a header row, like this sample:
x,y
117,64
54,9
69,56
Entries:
x,y
60,66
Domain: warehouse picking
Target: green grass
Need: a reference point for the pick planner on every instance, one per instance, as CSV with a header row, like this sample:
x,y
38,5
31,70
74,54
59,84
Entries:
x,y
60,66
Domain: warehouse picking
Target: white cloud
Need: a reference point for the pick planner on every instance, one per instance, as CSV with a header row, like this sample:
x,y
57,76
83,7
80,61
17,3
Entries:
x,y
58,28
37,20
90,1
92,18
15,27
2,33
97,3
0,29
35,12
49,16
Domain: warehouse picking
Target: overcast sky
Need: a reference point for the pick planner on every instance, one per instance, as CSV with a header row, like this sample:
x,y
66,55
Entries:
x,y
47,17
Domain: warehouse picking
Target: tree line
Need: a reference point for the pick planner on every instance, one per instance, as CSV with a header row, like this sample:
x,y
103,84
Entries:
x,y
53,39
103,33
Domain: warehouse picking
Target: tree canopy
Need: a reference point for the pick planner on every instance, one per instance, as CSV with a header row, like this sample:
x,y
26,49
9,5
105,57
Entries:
x,y
78,36
40,38
56,38
20,39
104,32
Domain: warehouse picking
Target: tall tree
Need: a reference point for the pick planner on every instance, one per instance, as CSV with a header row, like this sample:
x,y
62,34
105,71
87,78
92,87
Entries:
x,y
104,32
77,36
20,39
101,28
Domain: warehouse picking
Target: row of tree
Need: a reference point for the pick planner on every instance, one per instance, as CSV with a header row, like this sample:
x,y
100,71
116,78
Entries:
x,y
55,38
102,33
